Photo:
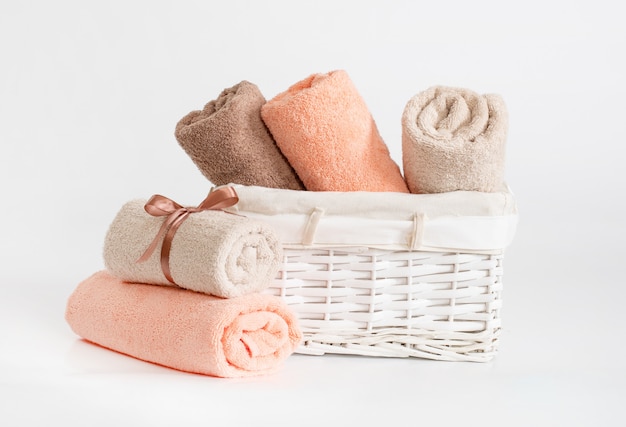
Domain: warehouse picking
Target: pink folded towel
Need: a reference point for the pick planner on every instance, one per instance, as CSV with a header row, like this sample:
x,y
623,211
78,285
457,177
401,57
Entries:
x,y
184,330
212,251
229,142
454,139
324,128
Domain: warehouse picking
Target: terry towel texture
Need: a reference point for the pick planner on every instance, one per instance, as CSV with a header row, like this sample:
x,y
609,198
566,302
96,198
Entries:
x,y
184,330
212,251
229,142
454,139
324,128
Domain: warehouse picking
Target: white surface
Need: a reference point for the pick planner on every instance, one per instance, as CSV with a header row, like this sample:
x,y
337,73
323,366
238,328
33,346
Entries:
x,y
89,97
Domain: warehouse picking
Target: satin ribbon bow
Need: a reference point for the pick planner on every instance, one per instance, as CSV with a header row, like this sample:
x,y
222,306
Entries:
x,y
176,214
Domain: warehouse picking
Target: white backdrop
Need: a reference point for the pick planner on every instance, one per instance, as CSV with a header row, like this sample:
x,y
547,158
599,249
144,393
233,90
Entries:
x,y
90,93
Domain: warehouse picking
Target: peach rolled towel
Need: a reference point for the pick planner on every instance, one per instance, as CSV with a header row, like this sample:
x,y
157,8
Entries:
x,y
324,128
212,251
454,139
229,143
185,330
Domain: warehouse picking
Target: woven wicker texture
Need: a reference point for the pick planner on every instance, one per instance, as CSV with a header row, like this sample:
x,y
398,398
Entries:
x,y
373,302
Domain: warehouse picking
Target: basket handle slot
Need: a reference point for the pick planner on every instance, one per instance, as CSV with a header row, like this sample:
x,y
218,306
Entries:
x,y
311,226
417,234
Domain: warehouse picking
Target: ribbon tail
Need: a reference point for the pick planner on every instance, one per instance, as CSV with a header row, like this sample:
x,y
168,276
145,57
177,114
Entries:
x,y
155,242
167,245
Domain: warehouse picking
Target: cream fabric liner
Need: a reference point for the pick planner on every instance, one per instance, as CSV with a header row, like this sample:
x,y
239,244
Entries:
x,y
467,221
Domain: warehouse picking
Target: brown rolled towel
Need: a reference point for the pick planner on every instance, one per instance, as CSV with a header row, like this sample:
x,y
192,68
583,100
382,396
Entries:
x,y
229,142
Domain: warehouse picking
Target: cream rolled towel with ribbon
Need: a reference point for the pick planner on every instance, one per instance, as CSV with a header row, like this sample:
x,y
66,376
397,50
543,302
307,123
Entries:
x,y
454,139
204,250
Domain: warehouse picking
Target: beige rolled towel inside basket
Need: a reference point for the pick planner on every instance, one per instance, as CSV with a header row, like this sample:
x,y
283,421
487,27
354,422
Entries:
x,y
454,139
212,251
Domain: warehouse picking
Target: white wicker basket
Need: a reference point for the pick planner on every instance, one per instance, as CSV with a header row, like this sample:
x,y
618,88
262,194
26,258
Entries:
x,y
395,282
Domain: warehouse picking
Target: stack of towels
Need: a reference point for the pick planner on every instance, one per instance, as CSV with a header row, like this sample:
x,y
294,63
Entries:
x,y
183,286
319,135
